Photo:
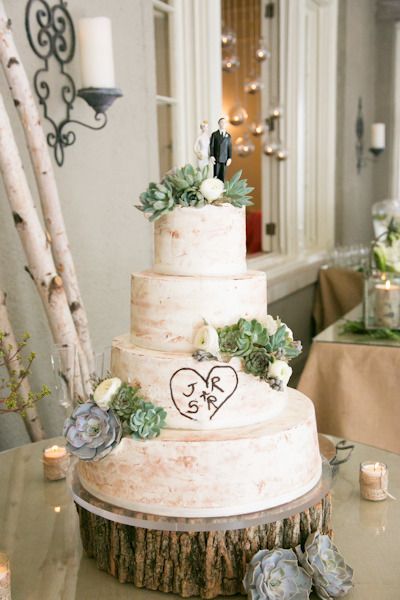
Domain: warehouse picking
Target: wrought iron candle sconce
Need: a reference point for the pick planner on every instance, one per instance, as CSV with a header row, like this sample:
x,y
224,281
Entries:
x,y
51,35
361,158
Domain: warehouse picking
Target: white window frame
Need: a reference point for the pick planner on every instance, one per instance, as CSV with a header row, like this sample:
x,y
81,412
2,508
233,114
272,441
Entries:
x,y
395,187
195,67
294,216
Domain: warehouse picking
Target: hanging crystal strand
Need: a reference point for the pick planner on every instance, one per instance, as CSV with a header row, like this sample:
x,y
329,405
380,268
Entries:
x,y
244,145
257,127
237,114
230,59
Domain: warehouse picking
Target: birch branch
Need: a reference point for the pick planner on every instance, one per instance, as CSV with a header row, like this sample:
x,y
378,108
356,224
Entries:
x,y
31,418
41,265
45,178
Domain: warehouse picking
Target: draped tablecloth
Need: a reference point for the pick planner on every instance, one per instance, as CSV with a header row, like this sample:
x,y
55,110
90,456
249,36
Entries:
x,y
354,383
339,290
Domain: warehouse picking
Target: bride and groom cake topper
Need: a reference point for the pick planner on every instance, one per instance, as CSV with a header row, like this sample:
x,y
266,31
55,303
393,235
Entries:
x,y
216,150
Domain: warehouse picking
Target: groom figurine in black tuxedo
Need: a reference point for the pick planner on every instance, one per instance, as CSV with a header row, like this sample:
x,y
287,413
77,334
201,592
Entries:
x,y
221,149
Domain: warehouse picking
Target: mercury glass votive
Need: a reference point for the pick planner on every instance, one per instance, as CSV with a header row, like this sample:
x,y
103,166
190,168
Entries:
x,y
55,463
382,301
373,481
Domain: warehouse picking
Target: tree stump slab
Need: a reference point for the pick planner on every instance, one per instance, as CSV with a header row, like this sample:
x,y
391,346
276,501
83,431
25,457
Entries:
x,y
190,563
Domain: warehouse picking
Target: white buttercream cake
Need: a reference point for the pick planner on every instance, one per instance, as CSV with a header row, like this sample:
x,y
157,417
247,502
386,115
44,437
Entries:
x,y
252,447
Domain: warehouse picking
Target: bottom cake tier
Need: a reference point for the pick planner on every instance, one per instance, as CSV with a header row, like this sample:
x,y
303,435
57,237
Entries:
x,y
224,472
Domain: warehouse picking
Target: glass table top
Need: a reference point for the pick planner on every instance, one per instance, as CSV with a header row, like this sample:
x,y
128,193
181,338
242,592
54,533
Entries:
x,y
333,333
39,531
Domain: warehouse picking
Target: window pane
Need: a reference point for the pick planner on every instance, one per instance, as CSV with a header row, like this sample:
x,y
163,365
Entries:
x,y
164,119
161,32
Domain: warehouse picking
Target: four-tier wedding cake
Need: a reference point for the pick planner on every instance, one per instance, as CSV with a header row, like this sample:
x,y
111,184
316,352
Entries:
x,y
202,348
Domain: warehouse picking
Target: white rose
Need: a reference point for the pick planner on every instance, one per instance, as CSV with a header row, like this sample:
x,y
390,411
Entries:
x,y
270,324
281,370
212,189
206,338
106,392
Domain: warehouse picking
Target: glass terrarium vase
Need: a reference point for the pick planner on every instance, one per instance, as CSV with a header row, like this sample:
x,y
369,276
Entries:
x,y
382,300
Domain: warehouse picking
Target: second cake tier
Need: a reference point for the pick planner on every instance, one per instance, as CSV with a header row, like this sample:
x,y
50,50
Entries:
x,y
167,310
196,395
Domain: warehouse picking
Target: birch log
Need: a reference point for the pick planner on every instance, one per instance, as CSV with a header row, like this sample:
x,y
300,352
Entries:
x,y
46,182
31,418
41,265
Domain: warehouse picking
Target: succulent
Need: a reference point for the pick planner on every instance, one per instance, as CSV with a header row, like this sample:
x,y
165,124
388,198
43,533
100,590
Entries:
x,y
147,421
91,432
157,200
255,330
240,339
332,578
276,383
203,355
276,575
126,401
237,192
186,183
257,362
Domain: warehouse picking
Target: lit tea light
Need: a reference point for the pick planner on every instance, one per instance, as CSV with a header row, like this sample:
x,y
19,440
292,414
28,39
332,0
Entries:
x,y
262,54
277,112
374,481
5,578
55,462
387,305
257,129
57,509
270,148
282,154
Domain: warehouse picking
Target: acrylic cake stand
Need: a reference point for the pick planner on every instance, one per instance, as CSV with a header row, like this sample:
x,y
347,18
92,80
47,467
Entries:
x,y
203,557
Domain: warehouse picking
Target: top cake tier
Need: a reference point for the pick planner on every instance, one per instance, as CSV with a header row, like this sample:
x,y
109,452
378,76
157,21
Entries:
x,y
201,241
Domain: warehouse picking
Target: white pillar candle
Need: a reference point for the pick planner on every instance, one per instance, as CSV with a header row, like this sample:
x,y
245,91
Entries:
x,y
373,480
387,305
96,52
55,463
378,135
5,578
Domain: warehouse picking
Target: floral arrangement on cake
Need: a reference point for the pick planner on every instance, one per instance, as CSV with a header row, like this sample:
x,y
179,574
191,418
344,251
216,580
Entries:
x,y
191,186
282,574
264,347
115,409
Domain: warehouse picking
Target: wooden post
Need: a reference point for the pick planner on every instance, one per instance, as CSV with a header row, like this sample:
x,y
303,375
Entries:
x,y
46,182
31,418
41,266
205,564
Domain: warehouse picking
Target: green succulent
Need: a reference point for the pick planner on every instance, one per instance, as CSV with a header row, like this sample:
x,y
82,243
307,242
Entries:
x,y
276,575
186,183
256,363
126,401
157,200
237,192
331,576
240,339
147,421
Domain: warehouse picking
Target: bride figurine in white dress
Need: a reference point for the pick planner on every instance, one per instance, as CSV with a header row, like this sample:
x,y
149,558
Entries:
x,y
202,146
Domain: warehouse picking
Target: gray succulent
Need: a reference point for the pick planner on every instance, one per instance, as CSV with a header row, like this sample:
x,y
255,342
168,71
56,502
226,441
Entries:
x,y
91,432
276,575
332,578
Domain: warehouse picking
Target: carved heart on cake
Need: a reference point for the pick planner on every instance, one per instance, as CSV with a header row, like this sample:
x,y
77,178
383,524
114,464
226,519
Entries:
x,y
199,398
